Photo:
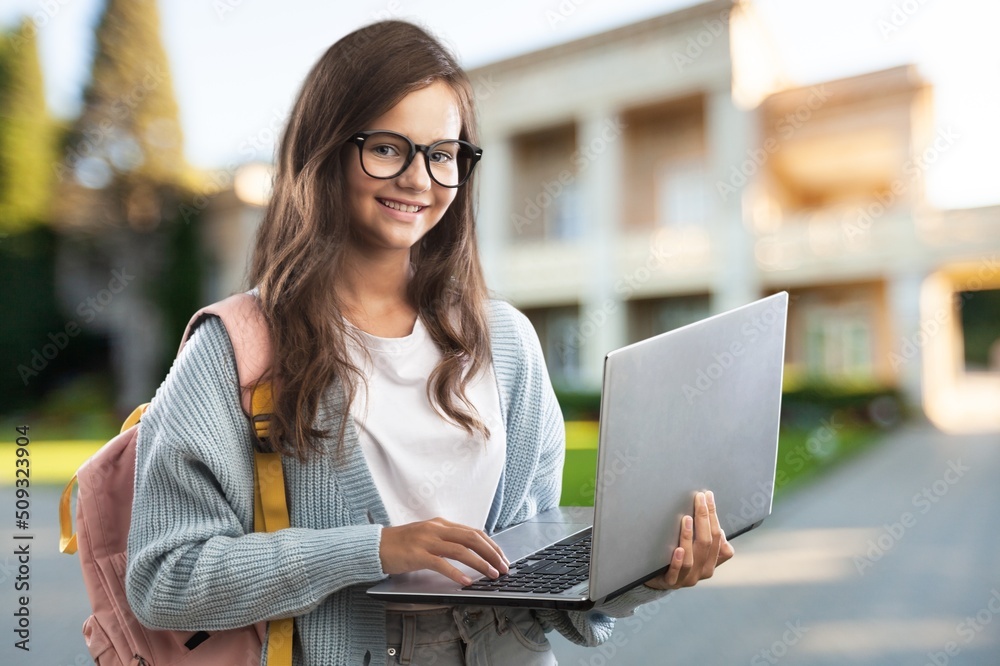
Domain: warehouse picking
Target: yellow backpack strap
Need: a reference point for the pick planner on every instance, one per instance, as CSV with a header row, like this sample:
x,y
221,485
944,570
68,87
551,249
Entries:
x,y
247,329
135,416
270,509
67,537
270,515
261,406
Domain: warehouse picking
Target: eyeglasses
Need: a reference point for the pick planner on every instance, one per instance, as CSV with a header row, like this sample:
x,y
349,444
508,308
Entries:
x,y
386,154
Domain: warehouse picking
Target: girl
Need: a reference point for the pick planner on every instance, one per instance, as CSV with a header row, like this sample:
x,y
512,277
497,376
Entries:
x,y
393,366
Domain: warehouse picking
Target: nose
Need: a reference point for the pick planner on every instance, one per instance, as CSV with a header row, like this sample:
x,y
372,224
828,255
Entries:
x,y
416,177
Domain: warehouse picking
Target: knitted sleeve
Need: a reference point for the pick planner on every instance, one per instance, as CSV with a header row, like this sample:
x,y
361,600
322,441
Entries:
x,y
194,562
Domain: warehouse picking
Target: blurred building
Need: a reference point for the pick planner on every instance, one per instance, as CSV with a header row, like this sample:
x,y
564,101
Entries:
x,y
229,224
646,177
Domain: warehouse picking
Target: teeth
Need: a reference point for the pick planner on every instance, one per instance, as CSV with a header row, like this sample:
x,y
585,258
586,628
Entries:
x,y
399,206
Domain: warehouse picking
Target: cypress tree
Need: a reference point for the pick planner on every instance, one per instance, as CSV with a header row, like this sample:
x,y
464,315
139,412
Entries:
x,y
123,165
122,181
27,136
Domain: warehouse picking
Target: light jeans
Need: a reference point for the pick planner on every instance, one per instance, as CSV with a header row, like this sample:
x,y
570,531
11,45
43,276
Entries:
x,y
467,636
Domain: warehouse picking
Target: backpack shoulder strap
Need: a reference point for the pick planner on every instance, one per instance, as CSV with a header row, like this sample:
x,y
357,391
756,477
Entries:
x,y
247,329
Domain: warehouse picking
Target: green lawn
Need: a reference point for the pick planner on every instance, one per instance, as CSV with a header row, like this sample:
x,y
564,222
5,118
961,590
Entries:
x,y
580,470
49,461
802,455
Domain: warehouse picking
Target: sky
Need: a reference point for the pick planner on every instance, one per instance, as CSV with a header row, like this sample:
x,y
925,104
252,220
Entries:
x,y
237,64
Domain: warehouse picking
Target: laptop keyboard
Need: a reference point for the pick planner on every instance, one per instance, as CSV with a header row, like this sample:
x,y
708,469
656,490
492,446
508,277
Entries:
x,y
551,570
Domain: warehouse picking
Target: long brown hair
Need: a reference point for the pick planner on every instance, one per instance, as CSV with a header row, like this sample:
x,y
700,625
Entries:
x,y
301,244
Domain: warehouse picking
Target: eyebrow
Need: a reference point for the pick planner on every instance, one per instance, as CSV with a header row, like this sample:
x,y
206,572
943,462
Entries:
x,y
447,138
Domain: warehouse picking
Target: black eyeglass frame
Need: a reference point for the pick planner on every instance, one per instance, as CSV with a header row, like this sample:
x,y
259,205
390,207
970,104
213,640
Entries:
x,y
359,140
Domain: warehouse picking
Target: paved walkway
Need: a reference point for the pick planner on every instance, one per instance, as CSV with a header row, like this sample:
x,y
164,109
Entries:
x,y
894,558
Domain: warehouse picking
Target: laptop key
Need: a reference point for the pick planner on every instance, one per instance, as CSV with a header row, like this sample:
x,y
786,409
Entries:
x,y
532,567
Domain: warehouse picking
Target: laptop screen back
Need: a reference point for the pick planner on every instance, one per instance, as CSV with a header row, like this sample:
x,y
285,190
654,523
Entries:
x,y
692,409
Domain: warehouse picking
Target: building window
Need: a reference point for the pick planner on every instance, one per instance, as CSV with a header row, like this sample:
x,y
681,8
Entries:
x,y
565,221
652,316
664,177
839,343
981,329
545,205
559,334
681,196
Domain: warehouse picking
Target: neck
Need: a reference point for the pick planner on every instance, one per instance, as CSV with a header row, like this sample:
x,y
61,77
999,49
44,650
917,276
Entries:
x,y
373,288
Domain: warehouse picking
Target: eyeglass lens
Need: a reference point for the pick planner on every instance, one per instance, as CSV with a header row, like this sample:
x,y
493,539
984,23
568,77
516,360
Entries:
x,y
384,155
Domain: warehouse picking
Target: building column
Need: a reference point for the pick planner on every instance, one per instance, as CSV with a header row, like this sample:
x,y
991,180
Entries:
x,y
599,168
731,134
903,294
495,192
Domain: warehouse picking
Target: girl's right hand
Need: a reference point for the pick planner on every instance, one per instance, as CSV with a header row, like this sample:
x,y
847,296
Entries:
x,y
426,544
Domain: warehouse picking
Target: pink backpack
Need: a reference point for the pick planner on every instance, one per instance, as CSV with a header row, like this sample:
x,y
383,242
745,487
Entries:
x,y
103,513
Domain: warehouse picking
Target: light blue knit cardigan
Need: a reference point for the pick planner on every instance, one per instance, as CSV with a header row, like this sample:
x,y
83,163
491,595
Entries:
x,y
194,562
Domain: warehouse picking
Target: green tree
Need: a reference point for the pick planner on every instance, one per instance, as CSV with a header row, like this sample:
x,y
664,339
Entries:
x,y
27,152
27,134
123,164
122,180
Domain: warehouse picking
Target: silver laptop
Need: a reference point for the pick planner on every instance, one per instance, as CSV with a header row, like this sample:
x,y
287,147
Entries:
x,y
694,408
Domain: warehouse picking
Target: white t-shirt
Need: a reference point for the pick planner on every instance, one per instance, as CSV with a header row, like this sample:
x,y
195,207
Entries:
x,y
423,465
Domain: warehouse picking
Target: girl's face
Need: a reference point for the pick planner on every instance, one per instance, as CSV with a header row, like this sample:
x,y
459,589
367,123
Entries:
x,y
392,215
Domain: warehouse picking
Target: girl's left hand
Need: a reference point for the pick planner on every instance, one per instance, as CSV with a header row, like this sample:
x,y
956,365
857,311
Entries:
x,y
703,547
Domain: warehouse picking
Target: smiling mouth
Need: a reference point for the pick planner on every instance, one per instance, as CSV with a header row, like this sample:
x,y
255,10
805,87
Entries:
x,y
405,208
